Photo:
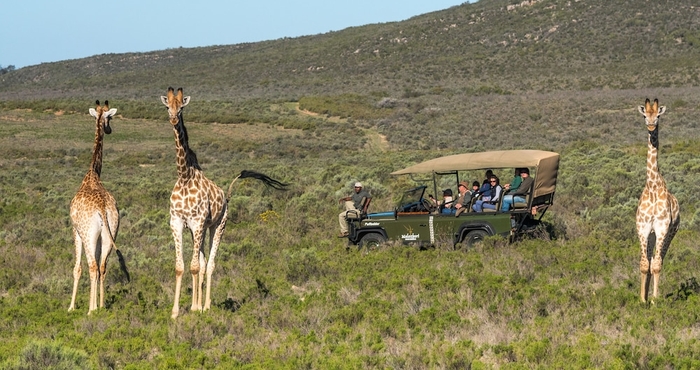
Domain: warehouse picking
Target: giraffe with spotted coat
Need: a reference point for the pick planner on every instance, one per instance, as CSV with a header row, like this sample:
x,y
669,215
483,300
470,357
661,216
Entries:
x,y
658,214
94,217
198,204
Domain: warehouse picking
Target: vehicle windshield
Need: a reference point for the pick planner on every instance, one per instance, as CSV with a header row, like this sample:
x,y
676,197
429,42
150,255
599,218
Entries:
x,y
412,197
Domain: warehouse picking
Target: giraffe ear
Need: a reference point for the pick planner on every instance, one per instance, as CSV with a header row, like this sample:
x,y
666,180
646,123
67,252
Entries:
x,y
164,99
93,112
185,100
641,109
111,112
662,109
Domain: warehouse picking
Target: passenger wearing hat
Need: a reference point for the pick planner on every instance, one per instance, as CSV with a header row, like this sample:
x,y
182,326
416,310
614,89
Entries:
x,y
518,195
464,198
357,202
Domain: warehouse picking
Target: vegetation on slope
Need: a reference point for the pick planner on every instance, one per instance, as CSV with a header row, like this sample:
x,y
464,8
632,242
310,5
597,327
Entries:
x,y
548,45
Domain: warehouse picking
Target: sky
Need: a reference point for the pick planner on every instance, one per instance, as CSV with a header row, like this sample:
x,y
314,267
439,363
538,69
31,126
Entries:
x,y
41,31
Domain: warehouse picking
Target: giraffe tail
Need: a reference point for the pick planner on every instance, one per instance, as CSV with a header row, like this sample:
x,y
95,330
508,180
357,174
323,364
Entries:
x,y
120,256
122,263
267,180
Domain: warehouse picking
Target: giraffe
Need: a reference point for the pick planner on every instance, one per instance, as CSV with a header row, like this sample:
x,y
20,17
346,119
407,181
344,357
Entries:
x,y
658,210
94,216
198,204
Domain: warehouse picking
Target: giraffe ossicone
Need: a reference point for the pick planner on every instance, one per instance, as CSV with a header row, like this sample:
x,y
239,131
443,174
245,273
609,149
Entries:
x,y
658,212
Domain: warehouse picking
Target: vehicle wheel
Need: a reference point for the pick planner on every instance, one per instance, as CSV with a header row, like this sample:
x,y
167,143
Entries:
x,y
371,241
474,237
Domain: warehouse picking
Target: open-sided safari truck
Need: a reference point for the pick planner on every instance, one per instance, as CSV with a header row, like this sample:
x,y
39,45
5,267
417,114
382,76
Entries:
x,y
415,219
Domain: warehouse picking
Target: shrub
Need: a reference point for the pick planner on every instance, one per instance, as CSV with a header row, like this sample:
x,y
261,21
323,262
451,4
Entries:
x,y
41,355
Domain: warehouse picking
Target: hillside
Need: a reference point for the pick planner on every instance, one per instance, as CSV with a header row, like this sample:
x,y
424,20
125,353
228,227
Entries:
x,y
556,64
490,46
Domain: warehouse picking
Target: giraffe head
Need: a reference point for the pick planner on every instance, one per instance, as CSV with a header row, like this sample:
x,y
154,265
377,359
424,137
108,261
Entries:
x,y
103,115
175,103
651,113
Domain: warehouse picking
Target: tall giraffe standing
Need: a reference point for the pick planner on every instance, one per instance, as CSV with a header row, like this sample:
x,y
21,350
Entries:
x,y
658,210
198,204
94,216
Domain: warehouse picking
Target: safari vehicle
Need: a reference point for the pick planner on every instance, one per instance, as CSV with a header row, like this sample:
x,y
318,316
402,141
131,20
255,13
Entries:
x,y
415,219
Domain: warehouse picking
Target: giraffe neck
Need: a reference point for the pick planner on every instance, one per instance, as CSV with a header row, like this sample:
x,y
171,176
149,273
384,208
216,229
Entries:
x,y
96,161
652,156
186,159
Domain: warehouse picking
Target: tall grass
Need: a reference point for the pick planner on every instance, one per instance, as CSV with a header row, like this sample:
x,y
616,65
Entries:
x,y
288,294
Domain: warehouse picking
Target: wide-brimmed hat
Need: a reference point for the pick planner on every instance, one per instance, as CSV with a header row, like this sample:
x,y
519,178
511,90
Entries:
x,y
358,184
464,183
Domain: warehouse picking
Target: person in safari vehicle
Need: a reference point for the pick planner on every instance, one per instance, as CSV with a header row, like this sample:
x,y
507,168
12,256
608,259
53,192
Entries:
x,y
353,203
464,199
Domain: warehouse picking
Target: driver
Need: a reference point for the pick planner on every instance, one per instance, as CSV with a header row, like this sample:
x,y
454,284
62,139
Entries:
x,y
445,205
356,203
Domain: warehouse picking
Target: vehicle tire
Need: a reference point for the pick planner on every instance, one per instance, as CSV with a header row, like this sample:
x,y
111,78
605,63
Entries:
x,y
371,241
474,237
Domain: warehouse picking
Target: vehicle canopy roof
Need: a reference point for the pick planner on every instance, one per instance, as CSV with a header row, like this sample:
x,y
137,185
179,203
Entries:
x,y
546,164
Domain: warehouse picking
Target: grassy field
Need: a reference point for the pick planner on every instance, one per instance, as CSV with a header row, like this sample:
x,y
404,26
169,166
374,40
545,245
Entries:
x,y
288,294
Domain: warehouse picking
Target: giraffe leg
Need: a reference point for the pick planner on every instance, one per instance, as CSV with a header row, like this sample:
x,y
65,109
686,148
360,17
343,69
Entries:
x,y
657,261
104,253
644,265
663,242
214,242
77,270
109,235
200,276
92,265
90,255
176,227
197,237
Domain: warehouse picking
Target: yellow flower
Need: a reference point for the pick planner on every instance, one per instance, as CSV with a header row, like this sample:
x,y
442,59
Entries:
x,y
268,215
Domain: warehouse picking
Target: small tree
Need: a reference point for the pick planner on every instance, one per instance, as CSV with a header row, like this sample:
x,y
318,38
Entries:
x,y
9,68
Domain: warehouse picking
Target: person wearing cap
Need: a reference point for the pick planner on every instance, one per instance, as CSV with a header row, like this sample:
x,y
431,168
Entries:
x,y
356,202
444,205
475,189
464,198
518,195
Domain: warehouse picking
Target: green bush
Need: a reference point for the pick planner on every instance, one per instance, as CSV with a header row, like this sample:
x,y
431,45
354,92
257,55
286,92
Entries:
x,y
49,355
